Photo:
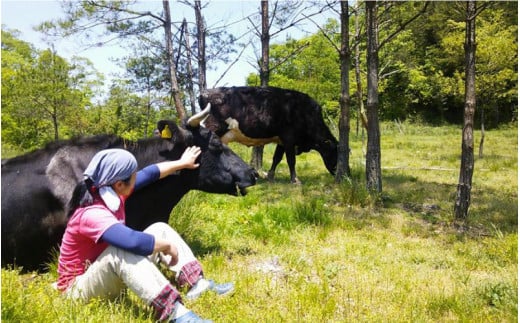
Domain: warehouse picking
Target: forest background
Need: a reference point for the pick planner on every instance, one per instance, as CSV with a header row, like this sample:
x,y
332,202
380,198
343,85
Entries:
x,y
46,97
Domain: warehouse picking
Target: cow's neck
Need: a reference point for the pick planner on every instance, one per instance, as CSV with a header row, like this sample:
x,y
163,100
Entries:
x,y
146,151
155,202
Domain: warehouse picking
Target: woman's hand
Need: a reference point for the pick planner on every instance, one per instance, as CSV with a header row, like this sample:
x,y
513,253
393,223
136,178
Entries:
x,y
187,161
167,250
189,157
174,253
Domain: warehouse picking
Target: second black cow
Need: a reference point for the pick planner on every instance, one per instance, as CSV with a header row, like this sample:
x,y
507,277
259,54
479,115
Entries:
x,y
256,116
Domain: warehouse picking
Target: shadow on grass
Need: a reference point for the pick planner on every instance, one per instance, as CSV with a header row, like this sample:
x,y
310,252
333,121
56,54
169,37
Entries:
x,y
201,248
434,202
273,209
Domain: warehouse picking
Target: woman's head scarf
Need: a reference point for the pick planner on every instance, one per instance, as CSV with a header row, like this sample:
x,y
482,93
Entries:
x,y
109,166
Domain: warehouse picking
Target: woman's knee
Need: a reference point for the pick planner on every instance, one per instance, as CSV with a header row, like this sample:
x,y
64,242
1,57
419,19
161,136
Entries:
x,y
159,229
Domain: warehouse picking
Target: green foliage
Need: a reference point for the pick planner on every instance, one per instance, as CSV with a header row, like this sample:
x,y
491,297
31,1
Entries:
x,y
314,70
500,295
43,96
421,68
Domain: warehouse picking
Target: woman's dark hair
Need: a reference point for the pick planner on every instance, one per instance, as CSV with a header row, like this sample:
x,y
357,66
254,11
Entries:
x,y
81,196
127,180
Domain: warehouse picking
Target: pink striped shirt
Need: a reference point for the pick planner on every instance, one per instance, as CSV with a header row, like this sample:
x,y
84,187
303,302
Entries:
x,y
80,245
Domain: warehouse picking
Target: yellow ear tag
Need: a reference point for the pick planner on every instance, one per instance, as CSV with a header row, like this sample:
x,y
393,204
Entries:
x,y
166,132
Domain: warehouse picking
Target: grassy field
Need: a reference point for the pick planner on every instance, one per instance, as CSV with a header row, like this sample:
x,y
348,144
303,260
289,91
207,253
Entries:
x,y
322,252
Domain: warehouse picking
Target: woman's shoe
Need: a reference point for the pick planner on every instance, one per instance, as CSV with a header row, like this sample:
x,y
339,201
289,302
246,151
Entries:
x,y
204,285
190,317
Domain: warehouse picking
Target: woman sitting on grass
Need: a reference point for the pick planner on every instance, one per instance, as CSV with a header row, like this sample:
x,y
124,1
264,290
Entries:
x,y
99,254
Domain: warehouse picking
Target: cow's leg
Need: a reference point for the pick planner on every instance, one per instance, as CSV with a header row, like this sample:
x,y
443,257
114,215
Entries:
x,y
290,155
277,158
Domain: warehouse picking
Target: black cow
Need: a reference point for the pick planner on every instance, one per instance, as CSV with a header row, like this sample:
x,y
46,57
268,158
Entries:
x,y
37,186
255,116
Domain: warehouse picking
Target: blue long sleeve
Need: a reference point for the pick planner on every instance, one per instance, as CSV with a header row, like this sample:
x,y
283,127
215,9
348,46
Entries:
x,y
121,236
147,175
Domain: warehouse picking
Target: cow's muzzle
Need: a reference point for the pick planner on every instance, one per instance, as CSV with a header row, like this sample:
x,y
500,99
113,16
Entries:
x,y
242,186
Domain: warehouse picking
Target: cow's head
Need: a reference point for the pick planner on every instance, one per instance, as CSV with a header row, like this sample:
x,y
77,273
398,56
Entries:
x,y
328,150
220,170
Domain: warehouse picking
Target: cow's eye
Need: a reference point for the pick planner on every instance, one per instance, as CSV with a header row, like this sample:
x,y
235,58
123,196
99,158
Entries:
x,y
215,145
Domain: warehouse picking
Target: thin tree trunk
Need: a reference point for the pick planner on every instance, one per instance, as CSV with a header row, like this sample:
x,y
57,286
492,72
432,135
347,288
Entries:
x,y
359,91
258,152
483,134
201,31
359,87
189,84
344,101
467,159
174,86
56,104
373,159
55,126
148,106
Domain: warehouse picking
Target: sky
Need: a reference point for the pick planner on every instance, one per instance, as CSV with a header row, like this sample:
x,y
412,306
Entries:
x,y
25,15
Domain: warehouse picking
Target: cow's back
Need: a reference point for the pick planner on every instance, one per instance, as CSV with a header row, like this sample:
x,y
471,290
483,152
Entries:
x,y
263,112
35,190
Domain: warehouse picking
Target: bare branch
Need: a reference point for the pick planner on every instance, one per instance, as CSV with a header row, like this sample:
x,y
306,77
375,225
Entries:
x,y
292,54
229,67
382,76
139,14
403,26
479,9
257,31
297,21
325,34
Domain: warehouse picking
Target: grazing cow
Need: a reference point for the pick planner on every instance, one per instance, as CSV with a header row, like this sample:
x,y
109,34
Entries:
x,y
256,116
37,186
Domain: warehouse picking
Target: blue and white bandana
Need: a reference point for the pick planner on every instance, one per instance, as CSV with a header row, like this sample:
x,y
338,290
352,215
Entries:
x,y
107,167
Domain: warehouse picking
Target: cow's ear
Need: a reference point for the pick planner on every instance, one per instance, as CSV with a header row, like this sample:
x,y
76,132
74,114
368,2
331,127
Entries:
x,y
168,129
161,124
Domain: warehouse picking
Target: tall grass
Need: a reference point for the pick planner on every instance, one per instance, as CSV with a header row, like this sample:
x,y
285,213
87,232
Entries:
x,y
326,252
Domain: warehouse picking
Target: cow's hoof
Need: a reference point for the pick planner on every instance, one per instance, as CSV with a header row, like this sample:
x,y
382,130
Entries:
x,y
262,174
270,176
296,181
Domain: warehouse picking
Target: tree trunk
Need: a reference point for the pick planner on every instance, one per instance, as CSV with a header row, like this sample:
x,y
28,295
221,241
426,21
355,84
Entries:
x,y
483,134
467,159
359,87
189,69
55,126
201,31
174,86
148,107
344,101
258,152
373,159
265,38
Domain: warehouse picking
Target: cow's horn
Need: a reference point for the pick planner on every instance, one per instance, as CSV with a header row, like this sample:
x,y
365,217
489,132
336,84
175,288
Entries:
x,y
195,119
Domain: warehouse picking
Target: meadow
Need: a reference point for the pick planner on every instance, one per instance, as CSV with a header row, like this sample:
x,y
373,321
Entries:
x,y
327,252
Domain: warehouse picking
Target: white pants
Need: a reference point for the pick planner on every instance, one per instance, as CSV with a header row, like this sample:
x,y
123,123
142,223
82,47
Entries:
x,y
116,268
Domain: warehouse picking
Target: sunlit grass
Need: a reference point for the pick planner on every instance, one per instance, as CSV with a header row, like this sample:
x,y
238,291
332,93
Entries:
x,y
323,252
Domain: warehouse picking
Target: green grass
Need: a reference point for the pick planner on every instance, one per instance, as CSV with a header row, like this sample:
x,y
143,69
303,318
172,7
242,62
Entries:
x,y
322,252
